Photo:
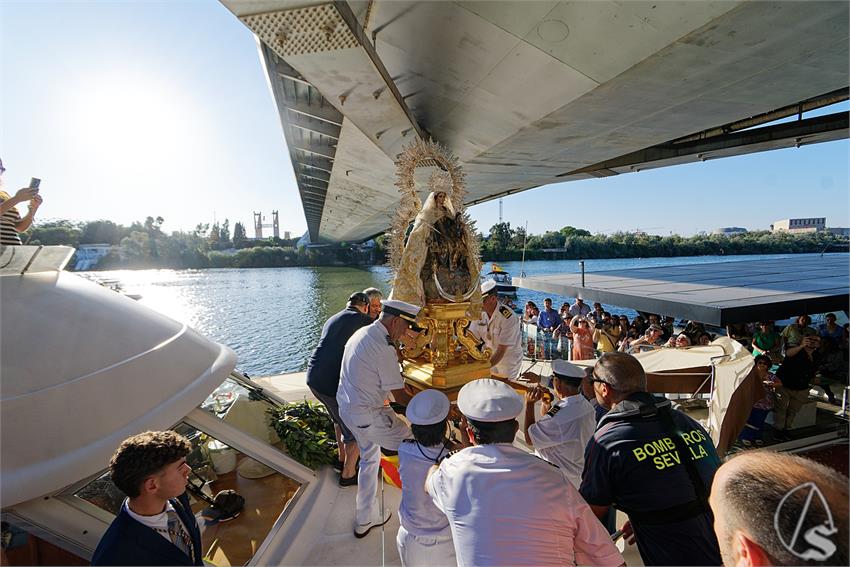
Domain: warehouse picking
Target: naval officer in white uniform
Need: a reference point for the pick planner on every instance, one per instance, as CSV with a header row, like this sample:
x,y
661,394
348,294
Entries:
x,y
369,373
424,537
506,506
502,335
562,432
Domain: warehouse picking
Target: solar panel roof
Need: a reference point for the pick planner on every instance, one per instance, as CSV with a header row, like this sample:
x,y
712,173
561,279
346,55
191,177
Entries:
x,y
715,293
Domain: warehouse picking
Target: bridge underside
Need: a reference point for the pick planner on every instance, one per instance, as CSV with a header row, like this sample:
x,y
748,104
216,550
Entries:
x,y
532,93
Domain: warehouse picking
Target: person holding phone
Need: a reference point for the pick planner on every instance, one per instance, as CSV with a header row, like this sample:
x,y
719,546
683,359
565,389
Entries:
x,y
797,373
11,222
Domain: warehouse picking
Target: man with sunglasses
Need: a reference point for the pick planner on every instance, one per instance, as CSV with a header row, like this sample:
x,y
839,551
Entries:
x,y
156,525
369,373
653,463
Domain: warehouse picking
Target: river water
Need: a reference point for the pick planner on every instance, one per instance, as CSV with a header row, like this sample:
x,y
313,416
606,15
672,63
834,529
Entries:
x,y
272,317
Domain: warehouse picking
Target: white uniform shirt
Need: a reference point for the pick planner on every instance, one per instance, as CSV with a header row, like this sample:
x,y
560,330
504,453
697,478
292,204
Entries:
x,y
561,438
369,372
503,329
417,512
508,507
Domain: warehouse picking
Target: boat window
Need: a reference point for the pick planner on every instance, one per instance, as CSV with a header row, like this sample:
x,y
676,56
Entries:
x,y
227,540
102,493
245,407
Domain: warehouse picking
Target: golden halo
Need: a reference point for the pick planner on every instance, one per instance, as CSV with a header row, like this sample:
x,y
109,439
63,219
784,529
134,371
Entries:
x,y
420,153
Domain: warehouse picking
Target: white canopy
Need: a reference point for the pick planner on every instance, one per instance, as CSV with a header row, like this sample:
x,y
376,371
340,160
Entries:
x,y
82,369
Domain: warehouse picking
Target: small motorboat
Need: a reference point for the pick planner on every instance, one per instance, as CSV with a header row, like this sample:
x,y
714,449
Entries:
x,y
504,282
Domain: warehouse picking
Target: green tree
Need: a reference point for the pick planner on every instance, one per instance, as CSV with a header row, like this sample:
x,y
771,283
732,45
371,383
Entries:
x,y
239,236
500,237
224,237
53,233
215,233
102,231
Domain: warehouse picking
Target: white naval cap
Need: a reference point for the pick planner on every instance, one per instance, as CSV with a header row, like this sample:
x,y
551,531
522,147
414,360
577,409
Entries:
x,y
401,309
489,286
427,408
567,371
489,400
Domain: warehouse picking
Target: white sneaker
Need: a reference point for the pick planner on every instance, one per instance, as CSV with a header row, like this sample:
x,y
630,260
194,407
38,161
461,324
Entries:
x,y
362,530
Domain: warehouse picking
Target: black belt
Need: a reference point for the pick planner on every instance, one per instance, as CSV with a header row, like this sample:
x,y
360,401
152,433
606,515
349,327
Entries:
x,y
671,515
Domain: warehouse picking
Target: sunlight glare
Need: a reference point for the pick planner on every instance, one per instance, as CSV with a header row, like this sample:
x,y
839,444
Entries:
x,y
128,120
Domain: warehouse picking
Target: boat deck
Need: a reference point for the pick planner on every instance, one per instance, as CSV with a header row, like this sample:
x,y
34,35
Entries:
x,y
336,544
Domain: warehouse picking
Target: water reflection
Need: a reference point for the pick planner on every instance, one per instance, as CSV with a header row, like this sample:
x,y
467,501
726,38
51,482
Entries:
x,y
271,317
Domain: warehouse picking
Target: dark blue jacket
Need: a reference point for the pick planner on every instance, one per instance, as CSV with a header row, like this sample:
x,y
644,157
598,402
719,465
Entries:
x,y
127,542
324,365
633,463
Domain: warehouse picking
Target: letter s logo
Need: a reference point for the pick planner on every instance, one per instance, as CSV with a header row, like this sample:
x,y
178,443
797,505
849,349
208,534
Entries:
x,y
821,547
800,503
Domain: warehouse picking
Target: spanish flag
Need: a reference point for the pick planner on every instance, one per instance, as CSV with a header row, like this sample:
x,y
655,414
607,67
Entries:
x,y
389,470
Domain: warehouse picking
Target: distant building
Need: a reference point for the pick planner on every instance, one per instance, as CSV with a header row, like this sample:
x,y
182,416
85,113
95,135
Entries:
x,y
729,230
817,224
840,231
88,255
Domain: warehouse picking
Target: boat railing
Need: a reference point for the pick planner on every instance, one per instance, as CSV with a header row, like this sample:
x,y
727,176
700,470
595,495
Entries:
x,y
20,260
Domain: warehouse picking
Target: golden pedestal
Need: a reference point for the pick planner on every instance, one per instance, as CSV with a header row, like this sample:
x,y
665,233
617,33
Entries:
x,y
446,355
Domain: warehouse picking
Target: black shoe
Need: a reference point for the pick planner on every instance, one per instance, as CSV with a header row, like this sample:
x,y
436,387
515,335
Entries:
x,y
338,466
350,481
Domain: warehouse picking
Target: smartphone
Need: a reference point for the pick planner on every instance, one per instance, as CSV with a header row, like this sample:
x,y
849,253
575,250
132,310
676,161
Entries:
x,y
35,182
616,535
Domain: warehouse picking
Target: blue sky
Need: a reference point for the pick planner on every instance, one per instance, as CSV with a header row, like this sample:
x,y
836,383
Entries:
x,y
130,109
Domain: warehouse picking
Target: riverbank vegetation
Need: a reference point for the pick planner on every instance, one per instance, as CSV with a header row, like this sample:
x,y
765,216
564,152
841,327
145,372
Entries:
x,y
504,243
146,245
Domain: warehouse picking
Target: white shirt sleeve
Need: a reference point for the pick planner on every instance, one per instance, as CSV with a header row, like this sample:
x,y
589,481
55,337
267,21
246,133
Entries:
x,y
592,544
433,486
388,370
545,433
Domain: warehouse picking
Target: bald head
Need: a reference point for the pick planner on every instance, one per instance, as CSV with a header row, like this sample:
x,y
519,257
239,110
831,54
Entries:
x,y
762,499
621,371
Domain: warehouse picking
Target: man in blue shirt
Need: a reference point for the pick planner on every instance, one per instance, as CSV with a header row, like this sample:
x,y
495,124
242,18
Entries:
x,y
653,463
323,376
548,321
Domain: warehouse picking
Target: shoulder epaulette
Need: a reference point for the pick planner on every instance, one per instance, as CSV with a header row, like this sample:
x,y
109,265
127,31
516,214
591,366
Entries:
x,y
451,453
553,410
550,463
506,311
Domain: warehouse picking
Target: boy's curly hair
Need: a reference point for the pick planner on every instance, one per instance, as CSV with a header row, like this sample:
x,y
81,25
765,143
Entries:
x,y
143,455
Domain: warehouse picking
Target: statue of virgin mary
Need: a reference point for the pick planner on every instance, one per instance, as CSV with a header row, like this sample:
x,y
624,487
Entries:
x,y
436,265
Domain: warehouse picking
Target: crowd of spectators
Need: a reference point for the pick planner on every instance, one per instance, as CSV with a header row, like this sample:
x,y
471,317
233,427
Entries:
x,y
800,355
578,332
